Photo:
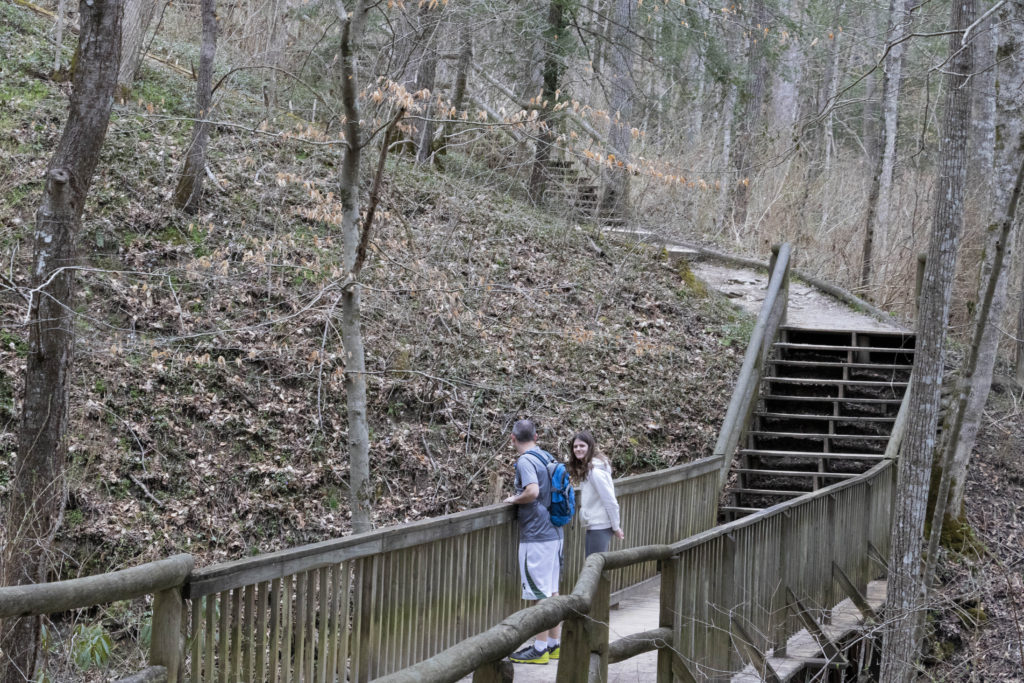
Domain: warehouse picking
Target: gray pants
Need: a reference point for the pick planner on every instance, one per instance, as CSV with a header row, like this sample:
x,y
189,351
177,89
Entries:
x,y
597,541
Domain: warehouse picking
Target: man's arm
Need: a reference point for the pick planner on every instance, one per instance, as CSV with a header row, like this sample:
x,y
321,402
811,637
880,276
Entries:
x,y
528,495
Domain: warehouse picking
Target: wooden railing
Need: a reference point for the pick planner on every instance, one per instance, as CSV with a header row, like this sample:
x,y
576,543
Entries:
x,y
737,573
376,602
744,397
365,604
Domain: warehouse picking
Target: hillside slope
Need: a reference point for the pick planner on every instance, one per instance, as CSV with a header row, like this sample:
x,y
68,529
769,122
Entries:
x,y
208,414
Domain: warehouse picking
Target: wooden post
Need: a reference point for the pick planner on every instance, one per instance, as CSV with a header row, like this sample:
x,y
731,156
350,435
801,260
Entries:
x,y
597,626
919,282
667,615
574,659
166,646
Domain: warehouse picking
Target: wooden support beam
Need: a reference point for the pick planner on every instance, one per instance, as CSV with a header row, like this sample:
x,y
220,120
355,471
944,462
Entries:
x,y
639,643
749,652
876,556
856,597
828,648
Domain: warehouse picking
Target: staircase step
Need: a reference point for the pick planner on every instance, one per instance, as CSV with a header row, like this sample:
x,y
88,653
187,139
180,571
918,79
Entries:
x,y
770,492
830,418
809,381
840,347
794,473
833,399
810,435
810,455
841,364
742,511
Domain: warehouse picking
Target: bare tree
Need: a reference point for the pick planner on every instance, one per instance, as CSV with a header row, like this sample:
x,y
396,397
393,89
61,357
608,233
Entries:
x,y
189,191
138,14
1008,141
352,239
901,639
621,93
876,223
38,489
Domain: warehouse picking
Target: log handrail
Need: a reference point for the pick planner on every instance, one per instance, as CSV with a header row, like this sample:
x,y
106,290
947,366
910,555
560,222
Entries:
x,y
126,584
744,397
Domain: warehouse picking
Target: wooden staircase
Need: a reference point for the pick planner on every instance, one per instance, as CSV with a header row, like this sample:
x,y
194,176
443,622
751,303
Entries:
x,y
828,403
572,187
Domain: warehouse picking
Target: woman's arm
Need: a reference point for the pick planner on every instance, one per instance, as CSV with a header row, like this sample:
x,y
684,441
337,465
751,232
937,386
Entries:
x,y
602,480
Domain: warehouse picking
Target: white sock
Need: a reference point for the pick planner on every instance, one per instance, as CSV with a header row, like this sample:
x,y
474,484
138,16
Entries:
x,y
541,645
554,642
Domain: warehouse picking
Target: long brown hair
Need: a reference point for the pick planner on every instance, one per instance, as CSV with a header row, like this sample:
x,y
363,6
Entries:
x,y
579,469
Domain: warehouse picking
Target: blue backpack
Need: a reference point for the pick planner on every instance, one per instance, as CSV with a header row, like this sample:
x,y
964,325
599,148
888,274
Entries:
x,y
563,495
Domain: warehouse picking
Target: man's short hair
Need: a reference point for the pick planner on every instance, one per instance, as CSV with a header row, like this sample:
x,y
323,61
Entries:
x,y
523,431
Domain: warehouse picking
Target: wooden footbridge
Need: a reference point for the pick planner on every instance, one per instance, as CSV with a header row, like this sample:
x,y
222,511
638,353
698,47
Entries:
x,y
746,587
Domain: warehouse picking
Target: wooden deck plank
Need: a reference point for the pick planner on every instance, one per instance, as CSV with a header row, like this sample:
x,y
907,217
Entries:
x,y
801,647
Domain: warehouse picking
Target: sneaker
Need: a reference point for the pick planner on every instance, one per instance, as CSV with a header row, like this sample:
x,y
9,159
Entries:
x,y
554,651
530,655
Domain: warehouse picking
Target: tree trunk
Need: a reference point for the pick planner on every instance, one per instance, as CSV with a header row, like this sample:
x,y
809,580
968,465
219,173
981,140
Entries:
x,y
785,93
38,489
189,191
461,77
728,116
901,641
879,197
833,90
622,88
351,328
1009,132
138,14
744,153
554,38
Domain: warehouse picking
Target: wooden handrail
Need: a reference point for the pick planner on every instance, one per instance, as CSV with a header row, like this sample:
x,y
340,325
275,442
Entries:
x,y
744,397
252,570
126,584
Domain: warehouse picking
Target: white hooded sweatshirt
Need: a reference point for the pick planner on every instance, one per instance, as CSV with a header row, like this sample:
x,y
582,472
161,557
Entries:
x,y
600,509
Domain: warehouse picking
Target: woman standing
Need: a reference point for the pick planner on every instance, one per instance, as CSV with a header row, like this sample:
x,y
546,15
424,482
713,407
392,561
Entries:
x,y
593,472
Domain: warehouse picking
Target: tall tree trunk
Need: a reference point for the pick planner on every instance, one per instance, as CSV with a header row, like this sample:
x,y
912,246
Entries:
x,y
38,488
138,14
751,124
461,77
976,378
621,92
416,66
901,641
880,195
724,193
351,326
833,90
554,38
1007,154
189,191
785,100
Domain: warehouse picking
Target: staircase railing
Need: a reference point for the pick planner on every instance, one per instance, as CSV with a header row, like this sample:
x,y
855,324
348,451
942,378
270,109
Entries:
x,y
745,395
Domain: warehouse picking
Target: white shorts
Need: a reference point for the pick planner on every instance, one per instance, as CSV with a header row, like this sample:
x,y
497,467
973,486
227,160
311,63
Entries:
x,y
539,566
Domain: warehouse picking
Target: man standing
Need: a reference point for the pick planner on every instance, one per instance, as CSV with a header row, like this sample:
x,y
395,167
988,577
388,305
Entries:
x,y
540,541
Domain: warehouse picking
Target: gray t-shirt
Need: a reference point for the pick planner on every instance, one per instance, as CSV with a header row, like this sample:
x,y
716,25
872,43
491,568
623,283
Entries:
x,y
534,519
